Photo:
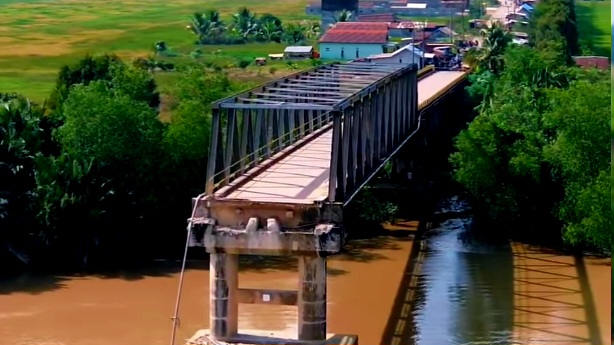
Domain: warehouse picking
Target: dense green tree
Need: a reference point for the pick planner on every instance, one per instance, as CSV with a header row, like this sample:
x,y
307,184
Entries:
x,y
295,33
75,204
187,138
343,16
22,136
270,32
109,125
490,55
104,185
553,28
108,68
83,72
536,156
581,152
207,26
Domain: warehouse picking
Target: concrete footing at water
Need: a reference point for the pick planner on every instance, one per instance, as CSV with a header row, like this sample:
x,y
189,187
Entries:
x,y
260,337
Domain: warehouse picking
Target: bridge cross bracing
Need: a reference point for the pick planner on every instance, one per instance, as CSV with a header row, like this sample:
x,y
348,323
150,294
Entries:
x,y
285,141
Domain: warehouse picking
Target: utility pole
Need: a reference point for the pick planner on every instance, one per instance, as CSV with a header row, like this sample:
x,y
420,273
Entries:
x,y
463,6
451,27
423,42
413,42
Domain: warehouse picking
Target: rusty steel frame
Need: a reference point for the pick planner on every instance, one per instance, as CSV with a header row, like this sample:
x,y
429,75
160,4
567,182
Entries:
x,y
253,126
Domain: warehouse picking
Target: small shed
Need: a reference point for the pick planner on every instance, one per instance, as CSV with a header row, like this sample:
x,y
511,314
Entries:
x,y
441,34
298,52
407,54
276,56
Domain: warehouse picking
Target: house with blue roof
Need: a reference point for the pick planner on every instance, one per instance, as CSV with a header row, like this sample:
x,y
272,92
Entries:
x,y
525,9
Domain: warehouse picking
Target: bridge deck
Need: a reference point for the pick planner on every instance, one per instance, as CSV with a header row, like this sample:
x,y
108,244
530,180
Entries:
x,y
302,176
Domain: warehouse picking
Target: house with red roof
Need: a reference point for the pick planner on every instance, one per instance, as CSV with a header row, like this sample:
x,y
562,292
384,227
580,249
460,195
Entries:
x,y
353,40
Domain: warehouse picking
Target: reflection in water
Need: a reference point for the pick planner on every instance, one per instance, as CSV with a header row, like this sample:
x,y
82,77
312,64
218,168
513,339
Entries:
x,y
474,293
466,290
135,307
447,292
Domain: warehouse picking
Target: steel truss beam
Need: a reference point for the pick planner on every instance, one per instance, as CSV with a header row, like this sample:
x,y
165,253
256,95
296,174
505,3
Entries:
x,y
252,126
367,131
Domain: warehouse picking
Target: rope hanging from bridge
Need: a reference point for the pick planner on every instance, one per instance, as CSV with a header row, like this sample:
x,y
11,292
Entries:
x,y
175,317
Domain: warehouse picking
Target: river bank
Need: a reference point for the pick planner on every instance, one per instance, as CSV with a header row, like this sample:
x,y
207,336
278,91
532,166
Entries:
x,y
134,307
387,289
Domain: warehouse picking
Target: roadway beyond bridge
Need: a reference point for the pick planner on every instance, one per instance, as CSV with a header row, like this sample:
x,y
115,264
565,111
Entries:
x,y
285,158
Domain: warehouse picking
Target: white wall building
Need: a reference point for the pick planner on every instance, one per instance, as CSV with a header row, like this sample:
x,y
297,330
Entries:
x,y
407,54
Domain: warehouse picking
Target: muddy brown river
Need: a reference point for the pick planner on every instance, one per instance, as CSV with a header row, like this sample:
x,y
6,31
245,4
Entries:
x,y
449,293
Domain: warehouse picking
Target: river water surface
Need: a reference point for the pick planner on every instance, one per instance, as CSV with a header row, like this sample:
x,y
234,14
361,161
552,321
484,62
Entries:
x,y
385,289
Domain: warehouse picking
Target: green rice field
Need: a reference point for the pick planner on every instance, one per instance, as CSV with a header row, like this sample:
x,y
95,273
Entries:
x,y
594,26
39,36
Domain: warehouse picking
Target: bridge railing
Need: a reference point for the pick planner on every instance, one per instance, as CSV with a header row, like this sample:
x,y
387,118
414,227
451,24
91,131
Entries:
x,y
426,71
247,133
250,128
243,138
369,130
424,104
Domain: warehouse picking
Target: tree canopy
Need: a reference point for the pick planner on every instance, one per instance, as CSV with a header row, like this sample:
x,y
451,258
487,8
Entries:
x,y
536,158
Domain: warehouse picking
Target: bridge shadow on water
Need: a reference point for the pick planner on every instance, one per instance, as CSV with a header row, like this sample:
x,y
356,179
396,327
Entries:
x,y
455,293
553,298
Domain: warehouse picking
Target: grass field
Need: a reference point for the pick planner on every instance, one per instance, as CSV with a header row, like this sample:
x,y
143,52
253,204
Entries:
x,y
39,36
594,26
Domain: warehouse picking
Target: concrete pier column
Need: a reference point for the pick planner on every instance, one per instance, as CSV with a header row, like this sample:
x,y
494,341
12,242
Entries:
x,y
312,298
223,303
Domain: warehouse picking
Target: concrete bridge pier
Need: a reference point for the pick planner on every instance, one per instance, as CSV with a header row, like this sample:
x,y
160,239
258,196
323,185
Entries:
x,y
224,298
229,229
312,298
223,288
285,158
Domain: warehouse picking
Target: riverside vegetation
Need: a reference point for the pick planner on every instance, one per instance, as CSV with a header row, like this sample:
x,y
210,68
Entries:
x,y
93,176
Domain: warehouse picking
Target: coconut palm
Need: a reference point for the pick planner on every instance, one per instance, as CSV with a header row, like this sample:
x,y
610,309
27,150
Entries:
x,y
207,26
245,22
295,33
217,25
344,16
72,192
270,32
22,136
312,29
201,26
490,55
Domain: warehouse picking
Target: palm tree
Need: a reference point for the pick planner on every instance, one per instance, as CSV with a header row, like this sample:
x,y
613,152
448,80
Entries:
x,y
312,29
295,33
213,16
245,22
72,192
490,55
201,26
344,16
207,26
270,32
217,25
23,134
